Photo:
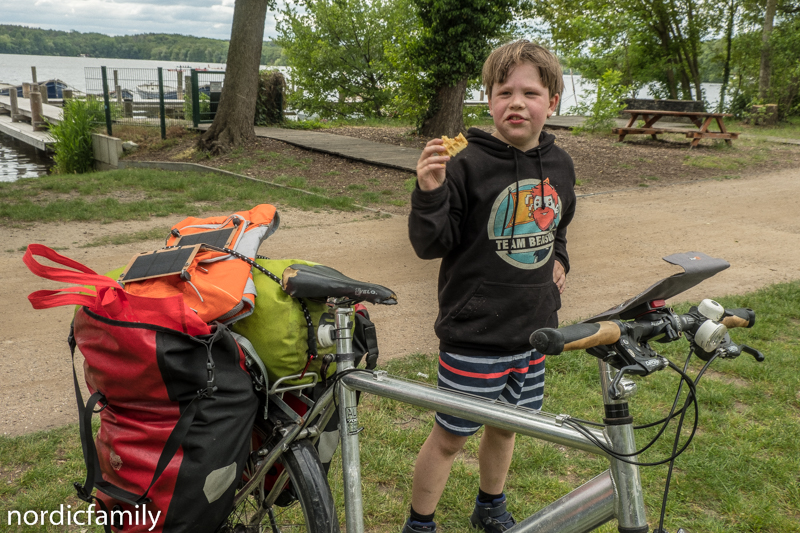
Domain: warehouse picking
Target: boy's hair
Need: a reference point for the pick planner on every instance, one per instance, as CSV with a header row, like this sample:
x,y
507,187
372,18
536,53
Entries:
x,y
503,59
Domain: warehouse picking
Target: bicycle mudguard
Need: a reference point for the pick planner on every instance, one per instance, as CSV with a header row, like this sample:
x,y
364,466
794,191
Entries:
x,y
697,267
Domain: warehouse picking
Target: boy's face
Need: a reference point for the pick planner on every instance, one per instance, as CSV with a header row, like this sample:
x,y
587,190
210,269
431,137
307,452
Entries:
x,y
520,106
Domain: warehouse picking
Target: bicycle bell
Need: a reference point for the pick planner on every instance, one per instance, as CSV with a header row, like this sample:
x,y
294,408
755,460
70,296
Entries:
x,y
711,310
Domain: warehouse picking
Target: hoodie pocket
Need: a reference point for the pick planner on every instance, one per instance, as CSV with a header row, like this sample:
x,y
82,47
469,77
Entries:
x,y
503,315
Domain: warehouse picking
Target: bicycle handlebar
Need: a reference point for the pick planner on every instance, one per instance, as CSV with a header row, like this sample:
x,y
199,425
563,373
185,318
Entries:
x,y
741,317
551,341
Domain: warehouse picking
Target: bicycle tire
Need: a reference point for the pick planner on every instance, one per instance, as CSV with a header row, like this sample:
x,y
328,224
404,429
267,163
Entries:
x,y
306,505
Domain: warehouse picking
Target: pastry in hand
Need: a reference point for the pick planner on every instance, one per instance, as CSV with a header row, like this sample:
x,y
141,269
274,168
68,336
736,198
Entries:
x,y
453,146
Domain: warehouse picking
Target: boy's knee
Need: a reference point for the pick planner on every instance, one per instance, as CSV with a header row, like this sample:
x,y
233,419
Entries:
x,y
447,443
499,434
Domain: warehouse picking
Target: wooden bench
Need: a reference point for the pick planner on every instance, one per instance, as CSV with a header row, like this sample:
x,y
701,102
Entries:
x,y
701,119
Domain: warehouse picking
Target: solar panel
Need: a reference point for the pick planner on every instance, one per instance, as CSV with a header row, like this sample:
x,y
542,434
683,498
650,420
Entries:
x,y
159,263
218,237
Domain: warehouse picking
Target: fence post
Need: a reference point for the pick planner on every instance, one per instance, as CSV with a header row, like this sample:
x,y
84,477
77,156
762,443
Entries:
x,y
127,107
26,90
179,77
117,88
67,94
106,103
15,116
36,109
161,111
33,75
43,92
195,99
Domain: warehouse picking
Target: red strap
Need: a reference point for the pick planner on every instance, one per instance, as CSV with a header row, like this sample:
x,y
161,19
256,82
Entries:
x,y
48,299
83,276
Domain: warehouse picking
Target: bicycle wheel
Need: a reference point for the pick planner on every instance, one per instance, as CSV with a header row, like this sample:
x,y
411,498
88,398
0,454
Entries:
x,y
302,503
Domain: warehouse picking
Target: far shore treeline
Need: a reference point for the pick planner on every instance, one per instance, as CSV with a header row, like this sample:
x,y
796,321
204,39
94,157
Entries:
x,y
148,46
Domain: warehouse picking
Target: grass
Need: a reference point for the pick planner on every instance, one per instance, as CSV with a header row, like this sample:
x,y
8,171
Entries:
x,y
137,194
740,474
789,129
129,238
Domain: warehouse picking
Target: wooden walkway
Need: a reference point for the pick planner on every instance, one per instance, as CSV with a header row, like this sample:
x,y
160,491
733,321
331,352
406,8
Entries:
x,y
23,131
374,153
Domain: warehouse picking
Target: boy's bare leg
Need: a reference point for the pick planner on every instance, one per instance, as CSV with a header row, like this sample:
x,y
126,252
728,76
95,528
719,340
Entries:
x,y
432,469
494,458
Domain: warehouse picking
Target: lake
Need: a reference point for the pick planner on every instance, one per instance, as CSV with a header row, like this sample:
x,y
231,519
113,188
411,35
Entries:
x,y
16,69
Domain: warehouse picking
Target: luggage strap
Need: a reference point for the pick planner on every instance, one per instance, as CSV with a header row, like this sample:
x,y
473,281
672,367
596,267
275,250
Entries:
x,y
94,476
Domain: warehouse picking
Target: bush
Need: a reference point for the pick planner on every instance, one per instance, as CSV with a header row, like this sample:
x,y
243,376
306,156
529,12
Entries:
x,y
205,105
73,136
270,99
606,107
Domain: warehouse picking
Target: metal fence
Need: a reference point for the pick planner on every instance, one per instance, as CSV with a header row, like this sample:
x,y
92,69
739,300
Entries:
x,y
155,96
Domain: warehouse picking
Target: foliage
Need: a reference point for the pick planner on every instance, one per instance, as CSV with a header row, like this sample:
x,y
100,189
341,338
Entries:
x,y
156,46
73,135
601,113
784,86
336,51
673,46
650,41
205,105
447,48
270,99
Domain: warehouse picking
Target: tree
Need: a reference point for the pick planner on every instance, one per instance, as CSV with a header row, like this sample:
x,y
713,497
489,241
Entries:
x,y
233,123
648,40
764,73
453,41
336,51
726,74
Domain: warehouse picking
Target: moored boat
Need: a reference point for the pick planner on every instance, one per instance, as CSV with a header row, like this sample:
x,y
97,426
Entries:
x,y
149,91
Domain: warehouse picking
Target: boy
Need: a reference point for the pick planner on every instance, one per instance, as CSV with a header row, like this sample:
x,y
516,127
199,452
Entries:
x,y
497,215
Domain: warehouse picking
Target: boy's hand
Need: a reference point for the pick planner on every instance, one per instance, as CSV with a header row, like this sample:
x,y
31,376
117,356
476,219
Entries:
x,y
430,167
559,276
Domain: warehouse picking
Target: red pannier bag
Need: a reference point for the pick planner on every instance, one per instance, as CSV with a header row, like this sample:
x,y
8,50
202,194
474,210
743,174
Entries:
x,y
175,401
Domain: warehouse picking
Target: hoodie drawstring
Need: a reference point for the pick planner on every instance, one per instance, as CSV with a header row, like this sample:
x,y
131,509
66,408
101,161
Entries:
x,y
516,175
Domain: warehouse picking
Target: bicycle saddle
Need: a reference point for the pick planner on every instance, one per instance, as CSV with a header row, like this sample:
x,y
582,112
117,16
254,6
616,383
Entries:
x,y
319,281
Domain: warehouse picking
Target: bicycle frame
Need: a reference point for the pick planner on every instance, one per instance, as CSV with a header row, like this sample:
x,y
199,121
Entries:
x,y
616,493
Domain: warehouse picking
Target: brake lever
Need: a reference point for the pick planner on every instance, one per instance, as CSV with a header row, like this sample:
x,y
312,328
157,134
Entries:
x,y
758,356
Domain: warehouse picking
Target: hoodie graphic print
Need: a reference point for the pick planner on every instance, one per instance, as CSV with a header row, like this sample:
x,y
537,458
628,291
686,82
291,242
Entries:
x,y
523,223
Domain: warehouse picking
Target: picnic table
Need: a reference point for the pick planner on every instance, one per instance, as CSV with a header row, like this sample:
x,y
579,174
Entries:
x,y
701,119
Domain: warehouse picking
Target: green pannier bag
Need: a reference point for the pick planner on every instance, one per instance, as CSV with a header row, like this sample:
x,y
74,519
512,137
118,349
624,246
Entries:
x,y
278,329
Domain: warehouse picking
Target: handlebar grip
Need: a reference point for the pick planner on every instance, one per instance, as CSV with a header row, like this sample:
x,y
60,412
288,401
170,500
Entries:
x,y
576,337
741,317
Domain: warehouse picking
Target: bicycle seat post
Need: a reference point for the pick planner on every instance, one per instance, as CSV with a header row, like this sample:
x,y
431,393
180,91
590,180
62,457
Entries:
x,y
630,509
348,425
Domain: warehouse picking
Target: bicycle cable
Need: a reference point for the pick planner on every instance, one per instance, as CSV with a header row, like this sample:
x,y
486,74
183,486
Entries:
x,y
677,434
624,457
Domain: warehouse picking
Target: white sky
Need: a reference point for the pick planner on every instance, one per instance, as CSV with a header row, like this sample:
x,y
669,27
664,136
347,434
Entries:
x,y
201,18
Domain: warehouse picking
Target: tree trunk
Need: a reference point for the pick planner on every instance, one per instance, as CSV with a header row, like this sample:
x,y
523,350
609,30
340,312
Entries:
x,y
233,123
726,71
445,114
764,73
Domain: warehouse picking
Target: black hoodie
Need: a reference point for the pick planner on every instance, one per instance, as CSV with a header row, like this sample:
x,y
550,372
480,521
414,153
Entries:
x,y
498,230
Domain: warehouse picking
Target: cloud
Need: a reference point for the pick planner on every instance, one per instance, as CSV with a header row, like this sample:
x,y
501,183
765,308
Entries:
x,y
201,18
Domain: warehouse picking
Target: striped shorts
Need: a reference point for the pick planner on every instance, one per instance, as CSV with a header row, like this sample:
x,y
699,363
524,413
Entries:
x,y
513,379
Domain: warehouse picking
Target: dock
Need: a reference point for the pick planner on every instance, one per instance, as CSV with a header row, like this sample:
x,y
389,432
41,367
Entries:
x,y
23,131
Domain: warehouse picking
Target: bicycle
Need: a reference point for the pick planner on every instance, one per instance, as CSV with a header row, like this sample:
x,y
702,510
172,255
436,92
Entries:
x,y
619,338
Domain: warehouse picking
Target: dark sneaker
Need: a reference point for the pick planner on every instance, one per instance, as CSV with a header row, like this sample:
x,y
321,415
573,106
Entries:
x,y
419,527
492,517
